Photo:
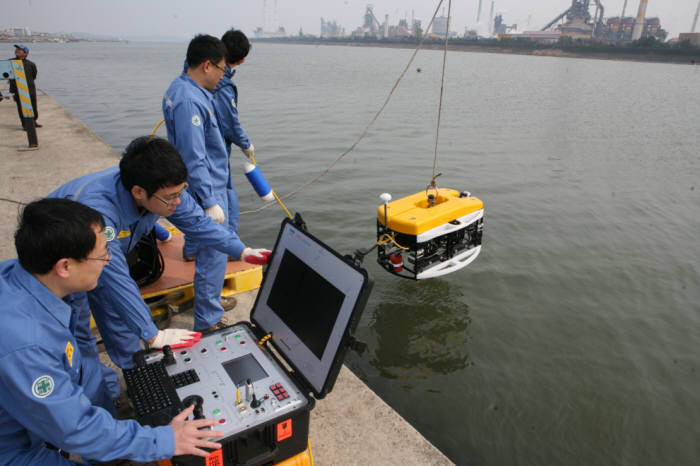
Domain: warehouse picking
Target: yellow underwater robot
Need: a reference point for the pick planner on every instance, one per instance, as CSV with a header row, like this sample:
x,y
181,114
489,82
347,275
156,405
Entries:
x,y
430,233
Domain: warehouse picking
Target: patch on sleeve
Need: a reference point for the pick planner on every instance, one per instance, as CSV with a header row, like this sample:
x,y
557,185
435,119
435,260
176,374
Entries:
x,y
196,120
109,233
42,386
123,234
69,353
233,102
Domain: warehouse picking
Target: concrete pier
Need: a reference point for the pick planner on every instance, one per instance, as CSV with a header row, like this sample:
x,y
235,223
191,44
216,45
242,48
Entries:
x,y
351,426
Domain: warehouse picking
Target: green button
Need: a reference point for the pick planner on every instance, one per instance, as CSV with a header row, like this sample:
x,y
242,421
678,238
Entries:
x,y
218,342
238,336
217,412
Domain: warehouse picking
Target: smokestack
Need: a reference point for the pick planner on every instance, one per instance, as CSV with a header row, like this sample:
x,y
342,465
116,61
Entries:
x,y
695,21
624,7
491,18
639,24
478,13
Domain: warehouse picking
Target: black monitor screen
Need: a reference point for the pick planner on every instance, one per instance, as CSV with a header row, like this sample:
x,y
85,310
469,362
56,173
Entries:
x,y
306,302
244,368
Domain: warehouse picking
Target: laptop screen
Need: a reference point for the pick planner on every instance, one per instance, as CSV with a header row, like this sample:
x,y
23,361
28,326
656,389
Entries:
x,y
306,301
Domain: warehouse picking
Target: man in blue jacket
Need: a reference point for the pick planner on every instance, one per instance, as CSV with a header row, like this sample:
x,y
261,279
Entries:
x,y
149,183
226,94
48,391
192,126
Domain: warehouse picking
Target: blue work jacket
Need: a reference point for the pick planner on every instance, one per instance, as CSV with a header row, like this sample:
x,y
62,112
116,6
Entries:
x,y
190,119
226,103
41,393
125,225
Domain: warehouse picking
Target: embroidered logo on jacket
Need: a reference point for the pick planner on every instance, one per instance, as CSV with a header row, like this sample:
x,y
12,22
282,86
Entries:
x,y
42,386
196,120
109,233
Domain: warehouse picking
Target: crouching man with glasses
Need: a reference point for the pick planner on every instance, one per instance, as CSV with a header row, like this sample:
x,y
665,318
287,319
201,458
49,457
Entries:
x,y
51,396
149,183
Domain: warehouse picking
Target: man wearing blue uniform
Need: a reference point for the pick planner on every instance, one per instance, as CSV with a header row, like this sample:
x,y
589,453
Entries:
x,y
149,183
226,93
193,129
48,391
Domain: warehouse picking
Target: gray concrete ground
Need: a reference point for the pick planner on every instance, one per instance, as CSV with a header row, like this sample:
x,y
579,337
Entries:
x,y
351,426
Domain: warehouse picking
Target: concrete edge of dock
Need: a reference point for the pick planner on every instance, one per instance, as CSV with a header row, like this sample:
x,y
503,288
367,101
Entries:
x,y
352,425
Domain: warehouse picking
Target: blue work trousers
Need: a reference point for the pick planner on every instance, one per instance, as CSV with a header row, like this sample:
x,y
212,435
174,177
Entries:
x,y
210,269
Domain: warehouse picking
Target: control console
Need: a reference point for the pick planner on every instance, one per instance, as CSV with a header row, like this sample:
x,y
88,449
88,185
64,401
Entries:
x,y
226,375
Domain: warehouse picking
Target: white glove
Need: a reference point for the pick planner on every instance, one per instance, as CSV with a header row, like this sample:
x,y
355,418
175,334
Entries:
x,y
256,256
216,213
176,338
249,151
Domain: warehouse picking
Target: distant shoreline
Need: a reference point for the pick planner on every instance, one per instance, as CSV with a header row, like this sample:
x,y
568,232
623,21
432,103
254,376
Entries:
x,y
649,55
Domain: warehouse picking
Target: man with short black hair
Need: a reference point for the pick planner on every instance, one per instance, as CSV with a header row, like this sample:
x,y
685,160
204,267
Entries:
x,y
149,183
49,392
191,122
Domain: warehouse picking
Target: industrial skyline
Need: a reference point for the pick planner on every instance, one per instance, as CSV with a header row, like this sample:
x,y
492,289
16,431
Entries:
x,y
177,19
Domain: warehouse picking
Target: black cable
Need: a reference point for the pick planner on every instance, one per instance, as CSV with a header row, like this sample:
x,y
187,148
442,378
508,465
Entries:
x,y
12,201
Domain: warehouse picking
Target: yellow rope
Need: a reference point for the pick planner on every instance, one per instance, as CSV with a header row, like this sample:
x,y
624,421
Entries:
x,y
386,238
282,204
264,339
153,133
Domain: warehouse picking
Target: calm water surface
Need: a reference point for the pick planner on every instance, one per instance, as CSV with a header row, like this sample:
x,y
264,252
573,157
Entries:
x,y
575,338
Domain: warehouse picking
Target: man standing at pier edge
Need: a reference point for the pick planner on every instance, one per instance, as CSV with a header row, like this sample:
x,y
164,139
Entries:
x,y
49,392
191,122
21,52
226,104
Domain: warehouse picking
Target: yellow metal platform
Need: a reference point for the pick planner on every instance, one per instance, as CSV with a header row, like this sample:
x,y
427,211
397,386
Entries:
x,y
412,216
178,275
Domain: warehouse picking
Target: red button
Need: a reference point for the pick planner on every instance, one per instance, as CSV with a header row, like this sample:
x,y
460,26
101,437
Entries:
x,y
222,421
243,343
223,348
272,387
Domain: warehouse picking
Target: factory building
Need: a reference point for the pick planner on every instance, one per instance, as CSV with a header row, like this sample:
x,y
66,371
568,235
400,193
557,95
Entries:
x,y
622,29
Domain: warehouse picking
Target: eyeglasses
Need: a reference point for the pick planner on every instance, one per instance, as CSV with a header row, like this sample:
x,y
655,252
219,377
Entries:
x,y
106,258
223,70
171,197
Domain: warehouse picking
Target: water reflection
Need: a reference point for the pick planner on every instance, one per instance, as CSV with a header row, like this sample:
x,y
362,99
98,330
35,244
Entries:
x,y
421,329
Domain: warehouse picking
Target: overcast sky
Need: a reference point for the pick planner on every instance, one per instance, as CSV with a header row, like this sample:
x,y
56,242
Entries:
x,y
180,18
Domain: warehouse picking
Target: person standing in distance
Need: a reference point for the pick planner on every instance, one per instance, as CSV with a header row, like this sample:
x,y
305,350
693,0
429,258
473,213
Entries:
x,y
30,71
47,389
191,122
